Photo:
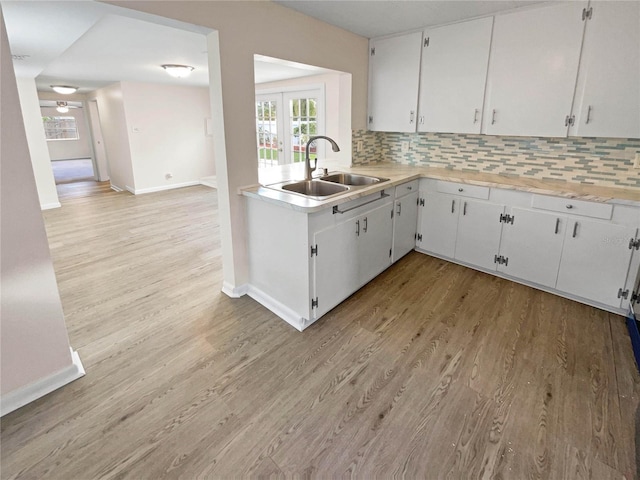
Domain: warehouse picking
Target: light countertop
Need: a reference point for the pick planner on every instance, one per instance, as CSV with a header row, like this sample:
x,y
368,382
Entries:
x,y
397,174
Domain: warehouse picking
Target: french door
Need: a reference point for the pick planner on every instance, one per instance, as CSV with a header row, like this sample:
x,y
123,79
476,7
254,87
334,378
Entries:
x,y
284,123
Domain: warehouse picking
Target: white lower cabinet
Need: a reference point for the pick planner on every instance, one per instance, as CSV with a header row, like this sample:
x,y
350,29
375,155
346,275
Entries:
x,y
595,261
479,232
531,246
335,265
301,265
405,219
404,225
459,227
438,223
584,250
351,252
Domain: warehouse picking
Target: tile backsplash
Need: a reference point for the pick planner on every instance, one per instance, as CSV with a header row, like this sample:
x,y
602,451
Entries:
x,y
598,161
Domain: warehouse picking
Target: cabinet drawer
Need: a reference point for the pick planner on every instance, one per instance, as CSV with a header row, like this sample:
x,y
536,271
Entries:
x,y
572,206
464,190
407,188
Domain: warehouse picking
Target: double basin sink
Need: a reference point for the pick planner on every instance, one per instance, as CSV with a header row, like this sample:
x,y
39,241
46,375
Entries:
x,y
326,186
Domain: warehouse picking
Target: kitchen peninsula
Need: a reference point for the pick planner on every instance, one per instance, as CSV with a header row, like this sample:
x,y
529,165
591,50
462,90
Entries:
x,y
306,255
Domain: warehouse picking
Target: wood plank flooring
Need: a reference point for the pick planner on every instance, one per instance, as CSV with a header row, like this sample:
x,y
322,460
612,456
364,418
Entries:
x,y
430,371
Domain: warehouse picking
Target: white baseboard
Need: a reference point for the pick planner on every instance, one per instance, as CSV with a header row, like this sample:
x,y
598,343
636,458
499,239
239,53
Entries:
x,y
140,191
211,181
234,292
284,312
130,189
115,188
49,206
27,394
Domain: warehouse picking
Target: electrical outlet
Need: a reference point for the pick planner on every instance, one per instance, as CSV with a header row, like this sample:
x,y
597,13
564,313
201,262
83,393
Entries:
x,y
404,147
359,146
636,163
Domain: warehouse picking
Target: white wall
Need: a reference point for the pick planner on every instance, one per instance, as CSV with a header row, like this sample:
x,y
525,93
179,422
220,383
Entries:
x,y
166,126
337,93
240,33
69,149
34,344
116,136
40,162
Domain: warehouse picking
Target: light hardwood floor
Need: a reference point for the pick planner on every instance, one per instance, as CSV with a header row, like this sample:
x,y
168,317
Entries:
x,y
430,371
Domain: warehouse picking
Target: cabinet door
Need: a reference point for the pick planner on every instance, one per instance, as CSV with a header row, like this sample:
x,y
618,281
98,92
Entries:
x,y
453,76
595,260
394,72
607,101
374,242
533,70
405,221
335,265
439,224
532,246
479,231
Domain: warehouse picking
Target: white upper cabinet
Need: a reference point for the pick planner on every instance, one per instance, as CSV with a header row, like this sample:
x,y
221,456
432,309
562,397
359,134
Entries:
x,y
453,77
394,72
533,70
607,100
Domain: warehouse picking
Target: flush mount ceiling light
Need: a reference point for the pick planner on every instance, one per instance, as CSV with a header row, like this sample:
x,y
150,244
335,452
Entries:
x,y
62,107
64,89
178,71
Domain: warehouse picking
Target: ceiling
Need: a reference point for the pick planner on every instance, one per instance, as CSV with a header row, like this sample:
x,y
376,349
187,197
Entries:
x,y
92,44
375,18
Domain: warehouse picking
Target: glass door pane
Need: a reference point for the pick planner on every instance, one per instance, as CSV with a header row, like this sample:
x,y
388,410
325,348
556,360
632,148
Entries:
x,y
269,129
302,124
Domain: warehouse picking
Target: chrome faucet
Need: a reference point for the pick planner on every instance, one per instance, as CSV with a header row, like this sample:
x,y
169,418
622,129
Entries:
x,y
307,161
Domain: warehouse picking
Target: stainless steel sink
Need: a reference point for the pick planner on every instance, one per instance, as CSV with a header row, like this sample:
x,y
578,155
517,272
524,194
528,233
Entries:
x,y
315,188
352,179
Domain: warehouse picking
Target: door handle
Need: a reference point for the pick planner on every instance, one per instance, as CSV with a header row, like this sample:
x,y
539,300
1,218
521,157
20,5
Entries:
x,y
357,228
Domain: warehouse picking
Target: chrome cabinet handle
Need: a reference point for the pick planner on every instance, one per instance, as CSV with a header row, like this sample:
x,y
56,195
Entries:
x,y
569,206
399,208
493,117
588,114
357,228
421,119
411,116
365,225
453,206
575,229
475,115
464,208
557,225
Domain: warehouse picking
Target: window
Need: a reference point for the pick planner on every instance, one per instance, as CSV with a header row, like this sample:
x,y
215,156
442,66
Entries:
x,y
60,128
284,123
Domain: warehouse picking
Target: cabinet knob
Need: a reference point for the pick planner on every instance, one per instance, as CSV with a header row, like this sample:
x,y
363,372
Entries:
x,y
569,206
461,189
